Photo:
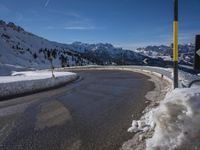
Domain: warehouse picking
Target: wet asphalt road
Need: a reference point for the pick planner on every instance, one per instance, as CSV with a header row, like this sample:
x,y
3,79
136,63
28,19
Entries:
x,y
93,113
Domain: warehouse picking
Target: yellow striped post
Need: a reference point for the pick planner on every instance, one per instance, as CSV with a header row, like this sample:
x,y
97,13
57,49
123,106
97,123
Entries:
x,y
175,45
175,48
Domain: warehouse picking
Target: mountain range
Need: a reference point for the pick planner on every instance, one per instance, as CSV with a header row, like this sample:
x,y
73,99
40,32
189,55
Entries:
x,y
22,50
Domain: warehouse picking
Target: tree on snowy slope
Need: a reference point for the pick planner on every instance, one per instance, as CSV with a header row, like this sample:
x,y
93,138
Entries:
x,y
64,60
51,54
35,56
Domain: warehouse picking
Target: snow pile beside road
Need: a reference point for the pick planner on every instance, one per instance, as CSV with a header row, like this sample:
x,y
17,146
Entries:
x,y
32,81
177,120
174,124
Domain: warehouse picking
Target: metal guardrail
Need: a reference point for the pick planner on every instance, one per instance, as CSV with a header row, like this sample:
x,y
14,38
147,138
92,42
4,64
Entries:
x,y
193,82
164,73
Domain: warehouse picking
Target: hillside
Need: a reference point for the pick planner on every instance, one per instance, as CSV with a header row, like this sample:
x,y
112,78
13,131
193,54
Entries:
x,y
20,50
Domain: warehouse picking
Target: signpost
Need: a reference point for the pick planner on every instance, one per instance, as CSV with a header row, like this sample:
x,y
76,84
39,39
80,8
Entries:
x,y
175,45
197,54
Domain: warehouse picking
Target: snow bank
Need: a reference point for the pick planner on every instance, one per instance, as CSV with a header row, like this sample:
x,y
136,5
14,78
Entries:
x,y
177,120
31,81
174,124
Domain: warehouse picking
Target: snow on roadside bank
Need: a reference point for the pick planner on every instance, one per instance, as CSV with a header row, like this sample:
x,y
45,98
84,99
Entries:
x,y
175,121
30,81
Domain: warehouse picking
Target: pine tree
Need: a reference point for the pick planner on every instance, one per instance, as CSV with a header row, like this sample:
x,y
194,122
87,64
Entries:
x,y
50,58
35,56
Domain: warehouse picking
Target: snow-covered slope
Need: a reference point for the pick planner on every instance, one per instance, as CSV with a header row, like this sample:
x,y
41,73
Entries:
x,y
21,48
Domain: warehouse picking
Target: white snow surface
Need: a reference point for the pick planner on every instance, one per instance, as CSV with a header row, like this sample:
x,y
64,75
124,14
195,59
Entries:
x,y
21,58
175,121
29,81
32,75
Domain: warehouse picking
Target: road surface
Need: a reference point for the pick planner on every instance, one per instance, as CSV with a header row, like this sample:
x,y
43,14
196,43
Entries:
x,y
92,113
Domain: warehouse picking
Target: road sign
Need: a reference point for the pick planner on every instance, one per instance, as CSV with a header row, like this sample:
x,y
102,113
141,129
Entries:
x,y
197,53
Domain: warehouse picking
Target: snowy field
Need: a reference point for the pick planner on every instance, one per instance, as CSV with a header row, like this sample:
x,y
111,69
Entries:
x,y
30,81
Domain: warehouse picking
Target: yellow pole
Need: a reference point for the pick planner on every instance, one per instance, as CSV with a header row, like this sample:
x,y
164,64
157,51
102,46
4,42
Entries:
x,y
175,45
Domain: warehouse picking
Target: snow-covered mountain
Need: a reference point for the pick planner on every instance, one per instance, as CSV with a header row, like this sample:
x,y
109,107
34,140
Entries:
x,y
167,50
20,49
186,52
23,49
107,54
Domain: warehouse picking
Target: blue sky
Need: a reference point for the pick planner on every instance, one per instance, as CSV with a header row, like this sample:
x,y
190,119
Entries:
x,y
124,23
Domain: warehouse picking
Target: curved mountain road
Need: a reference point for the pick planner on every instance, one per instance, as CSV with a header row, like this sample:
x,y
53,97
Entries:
x,y
93,113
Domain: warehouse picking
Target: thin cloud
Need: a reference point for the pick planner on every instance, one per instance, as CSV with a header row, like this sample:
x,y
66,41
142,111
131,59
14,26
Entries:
x,y
81,24
49,28
79,28
69,14
72,28
46,4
